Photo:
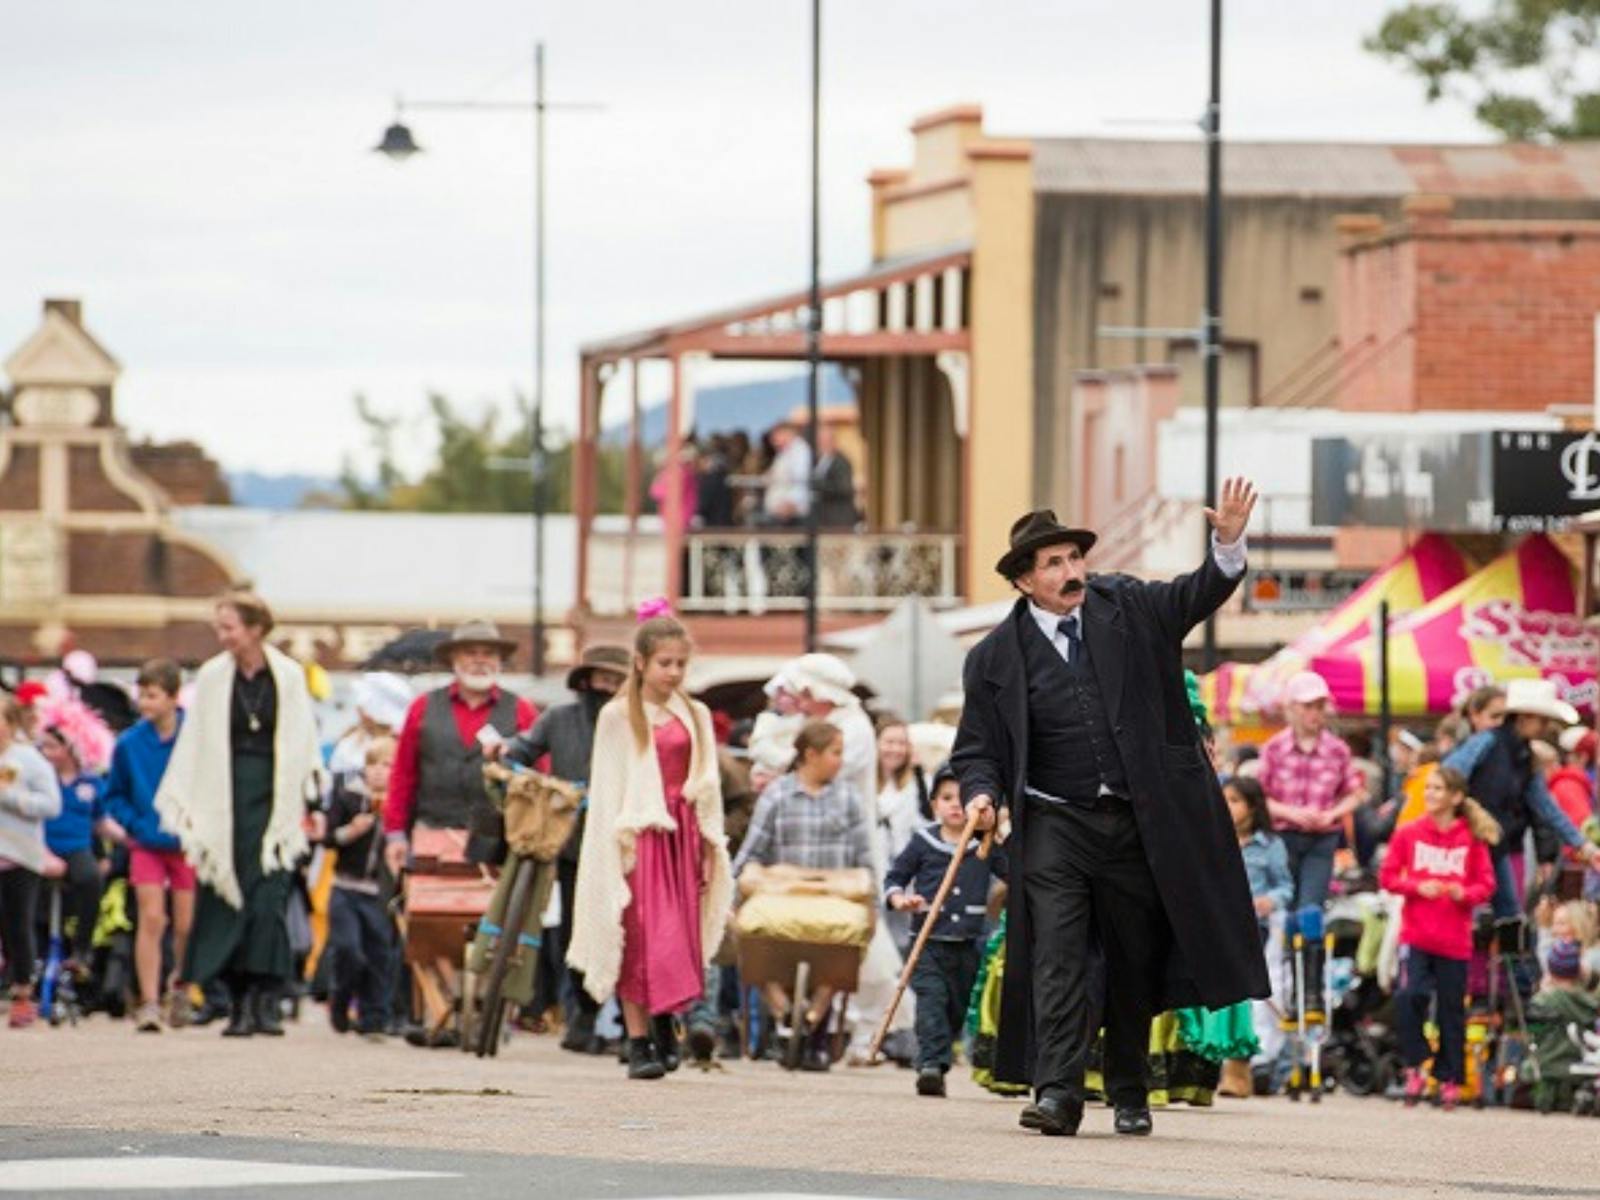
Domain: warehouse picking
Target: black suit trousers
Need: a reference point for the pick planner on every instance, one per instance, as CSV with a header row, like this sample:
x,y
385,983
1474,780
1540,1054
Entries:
x,y
1086,882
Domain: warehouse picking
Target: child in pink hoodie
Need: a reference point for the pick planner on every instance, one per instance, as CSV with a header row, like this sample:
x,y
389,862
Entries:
x,y
1440,866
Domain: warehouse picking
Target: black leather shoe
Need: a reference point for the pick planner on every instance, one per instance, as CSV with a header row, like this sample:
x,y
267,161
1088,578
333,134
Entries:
x,y
269,1021
642,1060
664,1032
579,1033
241,1017
1053,1115
930,1082
702,1044
1134,1122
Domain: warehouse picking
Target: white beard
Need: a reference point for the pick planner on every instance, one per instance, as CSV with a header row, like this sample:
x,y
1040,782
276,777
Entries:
x,y
478,683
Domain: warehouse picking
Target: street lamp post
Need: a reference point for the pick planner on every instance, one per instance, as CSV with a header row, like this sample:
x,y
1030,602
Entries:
x,y
814,328
1211,330
398,144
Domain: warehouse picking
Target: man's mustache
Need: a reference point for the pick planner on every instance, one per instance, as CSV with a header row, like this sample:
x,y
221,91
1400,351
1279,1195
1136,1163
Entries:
x,y
1072,587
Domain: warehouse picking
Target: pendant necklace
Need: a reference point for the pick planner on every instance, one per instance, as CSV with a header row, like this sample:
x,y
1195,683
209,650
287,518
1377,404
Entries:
x,y
251,712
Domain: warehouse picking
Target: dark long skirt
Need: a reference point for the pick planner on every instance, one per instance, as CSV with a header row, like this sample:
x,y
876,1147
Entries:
x,y
253,940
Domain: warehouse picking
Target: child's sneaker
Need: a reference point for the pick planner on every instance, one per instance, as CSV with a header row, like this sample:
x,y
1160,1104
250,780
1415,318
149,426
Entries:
x,y
1416,1083
23,1012
180,1013
930,1082
1449,1095
148,1018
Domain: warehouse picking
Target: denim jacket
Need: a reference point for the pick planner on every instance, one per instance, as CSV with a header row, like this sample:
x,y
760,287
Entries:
x,y
1266,862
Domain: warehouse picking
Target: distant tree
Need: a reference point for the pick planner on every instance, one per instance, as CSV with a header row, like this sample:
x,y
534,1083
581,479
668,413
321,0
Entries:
x,y
360,493
475,469
1529,68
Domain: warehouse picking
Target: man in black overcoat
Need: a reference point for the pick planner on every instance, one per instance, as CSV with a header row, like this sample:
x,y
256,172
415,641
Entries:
x,y
1077,718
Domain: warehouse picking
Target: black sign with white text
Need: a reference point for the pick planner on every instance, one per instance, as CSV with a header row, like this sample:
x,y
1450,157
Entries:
x,y
1543,480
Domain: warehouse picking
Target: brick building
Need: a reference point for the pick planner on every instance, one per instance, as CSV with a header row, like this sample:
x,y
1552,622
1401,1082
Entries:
x,y
88,547
121,549
1468,314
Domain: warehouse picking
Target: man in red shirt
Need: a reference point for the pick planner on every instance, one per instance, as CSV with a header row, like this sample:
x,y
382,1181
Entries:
x,y
1312,785
438,768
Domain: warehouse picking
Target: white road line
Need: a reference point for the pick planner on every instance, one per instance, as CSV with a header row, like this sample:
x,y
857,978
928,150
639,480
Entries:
x,y
130,1173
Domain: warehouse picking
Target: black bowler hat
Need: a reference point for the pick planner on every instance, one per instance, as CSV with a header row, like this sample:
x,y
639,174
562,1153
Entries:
x,y
1034,532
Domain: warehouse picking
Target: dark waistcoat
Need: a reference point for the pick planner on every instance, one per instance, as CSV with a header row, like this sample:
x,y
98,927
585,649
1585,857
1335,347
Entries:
x,y
1500,784
450,774
1071,751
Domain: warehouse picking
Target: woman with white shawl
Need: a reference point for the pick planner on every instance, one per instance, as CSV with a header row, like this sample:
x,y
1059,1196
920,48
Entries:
x,y
654,886
235,793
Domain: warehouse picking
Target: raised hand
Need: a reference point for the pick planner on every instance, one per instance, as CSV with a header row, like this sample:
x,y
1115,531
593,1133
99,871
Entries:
x,y
1233,509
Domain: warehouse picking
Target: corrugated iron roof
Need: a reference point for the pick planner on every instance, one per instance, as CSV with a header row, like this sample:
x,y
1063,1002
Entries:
x,y
1137,167
393,565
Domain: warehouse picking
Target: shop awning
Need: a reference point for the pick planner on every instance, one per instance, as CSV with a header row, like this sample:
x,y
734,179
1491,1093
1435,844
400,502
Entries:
x,y
1517,617
1431,566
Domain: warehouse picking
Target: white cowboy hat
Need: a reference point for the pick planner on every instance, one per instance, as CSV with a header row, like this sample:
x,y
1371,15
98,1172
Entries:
x,y
384,697
820,676
1538,697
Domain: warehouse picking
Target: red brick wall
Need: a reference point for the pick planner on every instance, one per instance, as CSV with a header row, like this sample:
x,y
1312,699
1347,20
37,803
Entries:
x,y
19,485
1444,314
89,488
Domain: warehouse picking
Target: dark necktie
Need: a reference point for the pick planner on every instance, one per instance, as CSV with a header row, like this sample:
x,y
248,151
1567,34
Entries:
x,y
1068,628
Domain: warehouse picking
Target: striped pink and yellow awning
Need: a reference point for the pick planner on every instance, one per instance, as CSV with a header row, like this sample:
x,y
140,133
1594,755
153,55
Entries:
x,y
1431,566
1517,617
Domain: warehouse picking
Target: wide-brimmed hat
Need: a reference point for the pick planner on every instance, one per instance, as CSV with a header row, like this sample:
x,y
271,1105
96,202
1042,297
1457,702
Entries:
x,y
1538,697
599,657
820,676
1035,531
384,697
474,633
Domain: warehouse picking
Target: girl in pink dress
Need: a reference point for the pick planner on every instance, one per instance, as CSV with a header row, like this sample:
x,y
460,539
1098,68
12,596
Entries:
x,y
653,881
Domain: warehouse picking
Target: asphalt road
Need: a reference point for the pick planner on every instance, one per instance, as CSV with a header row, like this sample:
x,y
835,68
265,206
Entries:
x,y
49,1164
98,1110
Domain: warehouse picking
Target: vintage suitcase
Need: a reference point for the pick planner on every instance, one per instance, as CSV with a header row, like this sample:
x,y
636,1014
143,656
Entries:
x,y
441,914
440,852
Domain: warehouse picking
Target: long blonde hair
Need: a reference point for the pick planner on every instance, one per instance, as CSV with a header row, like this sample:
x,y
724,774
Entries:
x,y
1479,819
647,639
902,773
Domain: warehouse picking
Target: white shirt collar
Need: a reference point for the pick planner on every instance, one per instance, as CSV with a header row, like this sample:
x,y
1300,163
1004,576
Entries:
x,y
1049,623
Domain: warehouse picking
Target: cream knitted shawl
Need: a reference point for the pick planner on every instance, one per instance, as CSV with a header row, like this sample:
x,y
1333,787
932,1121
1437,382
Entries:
x,y
626,796
195,800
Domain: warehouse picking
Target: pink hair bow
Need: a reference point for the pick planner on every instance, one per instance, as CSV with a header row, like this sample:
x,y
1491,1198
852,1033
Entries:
x,y
655,606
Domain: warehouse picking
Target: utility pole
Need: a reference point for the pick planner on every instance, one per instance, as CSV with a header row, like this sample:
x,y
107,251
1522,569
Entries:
x,y
536,417
1211,328
814,327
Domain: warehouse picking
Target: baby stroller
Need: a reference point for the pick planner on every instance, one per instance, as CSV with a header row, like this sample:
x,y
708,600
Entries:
x,y
1585,1072
1505,1047
1308,946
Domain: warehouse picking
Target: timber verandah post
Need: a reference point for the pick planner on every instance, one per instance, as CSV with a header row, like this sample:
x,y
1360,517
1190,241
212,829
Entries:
x,y
635,473
583,467
672,482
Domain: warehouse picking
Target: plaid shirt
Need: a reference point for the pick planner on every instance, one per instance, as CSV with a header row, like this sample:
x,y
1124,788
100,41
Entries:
x,y
822,832
1317,778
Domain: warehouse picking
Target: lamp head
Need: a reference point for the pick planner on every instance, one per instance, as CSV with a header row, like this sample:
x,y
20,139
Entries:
x,y
398,143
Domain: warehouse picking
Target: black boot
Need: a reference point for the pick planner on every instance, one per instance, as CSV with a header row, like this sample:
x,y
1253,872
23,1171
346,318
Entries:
x,y
579,1033
241,1015
269,1021
642,1060
664,1032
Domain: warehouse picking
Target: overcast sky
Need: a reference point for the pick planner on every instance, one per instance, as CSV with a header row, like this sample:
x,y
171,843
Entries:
x,y
200,174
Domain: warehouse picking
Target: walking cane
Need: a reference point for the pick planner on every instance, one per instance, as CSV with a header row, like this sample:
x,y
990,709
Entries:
x,y
927,925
